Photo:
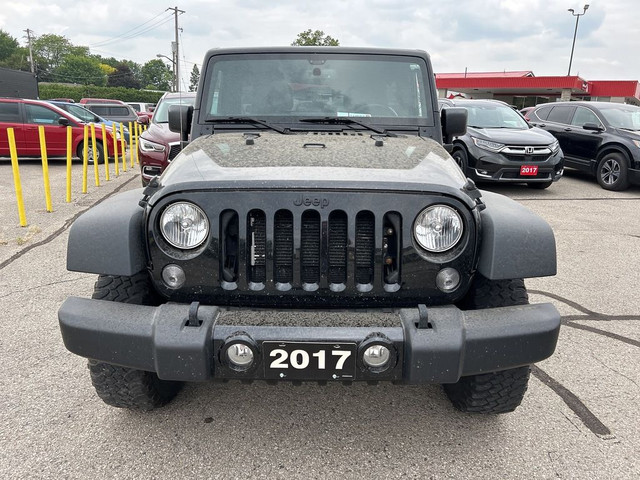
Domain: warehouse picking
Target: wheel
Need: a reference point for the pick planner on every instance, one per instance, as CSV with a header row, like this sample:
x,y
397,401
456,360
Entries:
x,y
494,392
539,185
127,387
613,172
99,152
460,156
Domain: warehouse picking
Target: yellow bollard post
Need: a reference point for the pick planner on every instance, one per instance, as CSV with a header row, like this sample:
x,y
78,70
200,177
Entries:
x,y
131,143
135,145
114,131
16,176
85,157
45,168
123,149
69,152
104,147
94,154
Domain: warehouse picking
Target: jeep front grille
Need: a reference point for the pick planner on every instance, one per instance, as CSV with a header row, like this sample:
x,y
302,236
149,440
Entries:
x,y
324,250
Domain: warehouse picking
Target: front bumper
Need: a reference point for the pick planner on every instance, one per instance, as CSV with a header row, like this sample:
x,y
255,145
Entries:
x,y
432,345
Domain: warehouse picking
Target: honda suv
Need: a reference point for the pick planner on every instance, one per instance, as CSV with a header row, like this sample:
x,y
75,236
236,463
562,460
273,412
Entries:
x,y
500,146
600,138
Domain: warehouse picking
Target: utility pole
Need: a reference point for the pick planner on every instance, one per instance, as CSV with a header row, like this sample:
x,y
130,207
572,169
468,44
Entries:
x,y
28,32
176,51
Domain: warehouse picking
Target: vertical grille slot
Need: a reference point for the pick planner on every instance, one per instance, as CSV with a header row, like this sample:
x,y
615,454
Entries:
x,y
257,242
310,247
365,247
283,247
229,246
337,247
391,242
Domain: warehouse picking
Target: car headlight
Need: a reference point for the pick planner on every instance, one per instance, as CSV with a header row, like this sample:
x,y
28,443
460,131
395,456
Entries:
x,y
184,225
438,228
149,146
554,147
487,145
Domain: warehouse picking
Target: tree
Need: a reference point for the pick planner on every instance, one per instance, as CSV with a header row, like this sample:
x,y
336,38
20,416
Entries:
x,y
8,45
80,69
123,77
50,50
156,75
315,38
194,79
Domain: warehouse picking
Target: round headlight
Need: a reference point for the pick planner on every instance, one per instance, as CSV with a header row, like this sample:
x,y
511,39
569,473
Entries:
x,y
184,225
438,228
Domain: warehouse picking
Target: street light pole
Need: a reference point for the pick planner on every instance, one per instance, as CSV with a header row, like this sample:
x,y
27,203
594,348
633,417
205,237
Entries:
x,y
174,80
575,32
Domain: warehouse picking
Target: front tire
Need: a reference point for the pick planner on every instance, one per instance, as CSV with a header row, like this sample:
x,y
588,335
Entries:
x,y
612,172
90,156
123,387
494,392
462,159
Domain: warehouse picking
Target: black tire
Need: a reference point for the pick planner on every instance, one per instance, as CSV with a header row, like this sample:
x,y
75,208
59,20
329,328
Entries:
x,y
494,392
127,387
612,172
462,159
539,185
99,150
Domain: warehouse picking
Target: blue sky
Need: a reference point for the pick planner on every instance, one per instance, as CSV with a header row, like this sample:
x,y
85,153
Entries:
x,y
489,35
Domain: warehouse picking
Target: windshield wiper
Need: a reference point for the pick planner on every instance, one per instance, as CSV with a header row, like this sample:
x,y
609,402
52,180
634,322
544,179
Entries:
x,y
254,121
347,121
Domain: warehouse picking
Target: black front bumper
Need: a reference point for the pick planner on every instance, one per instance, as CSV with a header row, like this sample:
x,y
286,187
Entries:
x,y
432,345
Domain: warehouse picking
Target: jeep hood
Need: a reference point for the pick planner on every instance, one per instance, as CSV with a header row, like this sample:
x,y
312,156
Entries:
x,y
313,160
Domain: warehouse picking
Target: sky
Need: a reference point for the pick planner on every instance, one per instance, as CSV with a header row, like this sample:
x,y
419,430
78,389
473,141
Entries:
x,y
472,35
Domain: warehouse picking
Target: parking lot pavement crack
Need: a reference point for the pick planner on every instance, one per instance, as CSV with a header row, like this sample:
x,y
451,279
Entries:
x,y
585,415
37,287
64,227
615,336
613,370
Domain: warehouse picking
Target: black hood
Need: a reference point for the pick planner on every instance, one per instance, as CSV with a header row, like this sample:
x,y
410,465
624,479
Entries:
x,y
535,137
313,160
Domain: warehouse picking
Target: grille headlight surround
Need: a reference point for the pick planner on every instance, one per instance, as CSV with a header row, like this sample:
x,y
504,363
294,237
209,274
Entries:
x,y
488,145
184,225
149,146
438,228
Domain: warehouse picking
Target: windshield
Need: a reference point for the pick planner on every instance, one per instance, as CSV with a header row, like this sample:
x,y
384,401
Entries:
x,y
161,113
81,113
494,116
308,85
623,116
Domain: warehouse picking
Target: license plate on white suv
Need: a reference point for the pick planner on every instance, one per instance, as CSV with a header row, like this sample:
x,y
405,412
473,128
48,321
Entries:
x,y
309,360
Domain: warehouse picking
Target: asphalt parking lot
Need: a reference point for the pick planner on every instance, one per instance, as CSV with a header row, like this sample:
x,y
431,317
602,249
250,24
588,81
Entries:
x,y
578,420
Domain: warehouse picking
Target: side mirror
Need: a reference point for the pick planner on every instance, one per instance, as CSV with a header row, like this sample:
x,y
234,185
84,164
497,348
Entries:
x,y
592,126
64,121
454,123
180,117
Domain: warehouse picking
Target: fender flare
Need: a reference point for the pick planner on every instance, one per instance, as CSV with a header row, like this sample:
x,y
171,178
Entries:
x,y
108,239
515,242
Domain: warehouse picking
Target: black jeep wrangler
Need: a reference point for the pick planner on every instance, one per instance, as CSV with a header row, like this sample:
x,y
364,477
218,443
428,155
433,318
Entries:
x,y
313,229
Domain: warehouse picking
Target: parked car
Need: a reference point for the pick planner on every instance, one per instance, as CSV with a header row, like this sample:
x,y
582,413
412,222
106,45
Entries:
x,y
158,145
88,116
116,112
500,146
600,138
25,116
525,112
144,111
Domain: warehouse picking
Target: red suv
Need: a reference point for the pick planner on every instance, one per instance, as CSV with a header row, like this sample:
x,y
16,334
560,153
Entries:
x,y
158,145
25,116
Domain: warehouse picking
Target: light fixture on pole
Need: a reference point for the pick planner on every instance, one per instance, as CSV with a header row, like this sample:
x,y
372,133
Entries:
x,y
174,85
575,32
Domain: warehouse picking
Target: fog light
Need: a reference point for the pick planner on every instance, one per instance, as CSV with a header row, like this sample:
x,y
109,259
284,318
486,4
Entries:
x,y
173,276
240,355
376,356
448,279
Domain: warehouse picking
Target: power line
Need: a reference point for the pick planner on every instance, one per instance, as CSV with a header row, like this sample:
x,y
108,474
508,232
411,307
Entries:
x,y
132,33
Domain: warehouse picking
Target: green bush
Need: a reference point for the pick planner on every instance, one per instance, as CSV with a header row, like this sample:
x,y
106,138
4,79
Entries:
x,y
58,90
